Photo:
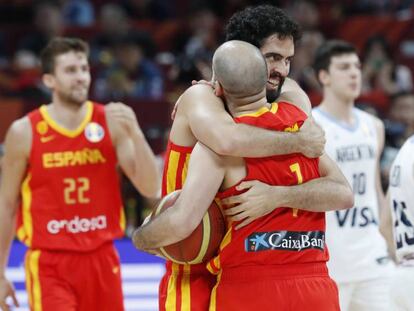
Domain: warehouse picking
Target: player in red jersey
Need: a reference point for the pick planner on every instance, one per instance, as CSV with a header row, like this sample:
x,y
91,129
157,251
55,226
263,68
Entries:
x,y
61,165
301,226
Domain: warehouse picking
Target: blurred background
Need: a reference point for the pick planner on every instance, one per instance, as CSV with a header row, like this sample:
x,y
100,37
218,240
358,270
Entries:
x,y
146,52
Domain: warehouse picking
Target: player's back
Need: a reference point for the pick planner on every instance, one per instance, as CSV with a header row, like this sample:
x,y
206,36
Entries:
x,y
285,235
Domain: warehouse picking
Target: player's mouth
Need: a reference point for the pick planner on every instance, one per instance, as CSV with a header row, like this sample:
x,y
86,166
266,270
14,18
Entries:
x,y
274,80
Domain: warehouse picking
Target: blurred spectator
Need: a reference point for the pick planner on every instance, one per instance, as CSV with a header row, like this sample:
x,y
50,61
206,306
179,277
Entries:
x,y
132,75
198,48
48,23
22,78
402,112
398,127
305,13
78,13
381,72
113,24
301,69
149,9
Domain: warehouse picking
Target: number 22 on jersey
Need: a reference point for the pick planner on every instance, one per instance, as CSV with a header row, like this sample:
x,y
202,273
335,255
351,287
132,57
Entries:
x,y
75,190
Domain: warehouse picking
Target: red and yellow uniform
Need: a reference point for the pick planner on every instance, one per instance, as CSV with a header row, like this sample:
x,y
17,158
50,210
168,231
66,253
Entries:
x,y
183,287
277,262
71,211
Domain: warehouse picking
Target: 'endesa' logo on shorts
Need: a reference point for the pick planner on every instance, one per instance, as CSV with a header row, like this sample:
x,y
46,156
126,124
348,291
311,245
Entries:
x,y
285,240
77,225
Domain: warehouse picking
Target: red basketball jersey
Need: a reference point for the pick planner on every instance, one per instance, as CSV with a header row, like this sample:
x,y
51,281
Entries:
x,y
183,287
286,235
70,194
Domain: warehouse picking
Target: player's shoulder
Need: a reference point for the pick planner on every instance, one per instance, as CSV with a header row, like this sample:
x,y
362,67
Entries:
x,y
367,115
19,134
199,94
20,127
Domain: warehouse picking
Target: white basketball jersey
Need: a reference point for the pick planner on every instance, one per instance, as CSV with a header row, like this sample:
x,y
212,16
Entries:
x,y
401,191
357,249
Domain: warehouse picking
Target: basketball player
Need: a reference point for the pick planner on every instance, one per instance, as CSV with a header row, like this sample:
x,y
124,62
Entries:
x,y
272,31
248,276
399,224
60,164
359,260
202,117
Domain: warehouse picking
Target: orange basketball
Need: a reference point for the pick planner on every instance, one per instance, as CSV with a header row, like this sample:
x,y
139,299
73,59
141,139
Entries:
x,y
203,243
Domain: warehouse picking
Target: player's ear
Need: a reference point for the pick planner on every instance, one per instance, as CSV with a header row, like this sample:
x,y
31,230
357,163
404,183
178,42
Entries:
x,y
48,80
218,89
323,77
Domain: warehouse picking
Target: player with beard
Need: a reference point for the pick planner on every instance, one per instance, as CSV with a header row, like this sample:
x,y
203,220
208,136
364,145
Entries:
x,y
60,181
272,31
247,269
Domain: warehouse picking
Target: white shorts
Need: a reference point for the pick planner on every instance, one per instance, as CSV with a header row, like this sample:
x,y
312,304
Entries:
x,y
366,295
402,287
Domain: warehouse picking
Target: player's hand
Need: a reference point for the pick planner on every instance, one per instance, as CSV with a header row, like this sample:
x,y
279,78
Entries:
x,y
7,290
250,205
312,138
123,115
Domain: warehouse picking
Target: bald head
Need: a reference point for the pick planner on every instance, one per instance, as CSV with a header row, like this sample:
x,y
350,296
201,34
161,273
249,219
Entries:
x,y
240,68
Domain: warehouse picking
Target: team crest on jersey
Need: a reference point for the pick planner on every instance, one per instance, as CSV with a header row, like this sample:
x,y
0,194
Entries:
x,y
94,132
42,127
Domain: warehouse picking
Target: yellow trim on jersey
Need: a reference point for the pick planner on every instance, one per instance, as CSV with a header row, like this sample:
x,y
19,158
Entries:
x,y
171,301
172,170
28,278
273,109
213,297
26,214
34,270
64,131
122,221
226,240
185,168
21,234
186,289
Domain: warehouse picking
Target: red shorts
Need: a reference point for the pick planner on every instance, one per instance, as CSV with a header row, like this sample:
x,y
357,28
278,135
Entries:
x,y
289,288
69,281
185,288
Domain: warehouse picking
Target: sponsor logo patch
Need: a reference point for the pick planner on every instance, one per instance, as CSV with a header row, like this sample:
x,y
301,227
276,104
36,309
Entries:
x,y
285,240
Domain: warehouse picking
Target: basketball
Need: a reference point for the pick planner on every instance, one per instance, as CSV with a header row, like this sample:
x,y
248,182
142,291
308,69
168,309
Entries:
x,y
203,243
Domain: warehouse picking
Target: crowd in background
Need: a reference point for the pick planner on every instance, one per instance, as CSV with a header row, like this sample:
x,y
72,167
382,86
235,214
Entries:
x,y
146,52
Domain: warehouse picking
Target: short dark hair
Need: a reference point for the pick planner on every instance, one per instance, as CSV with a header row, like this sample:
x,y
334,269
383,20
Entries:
x,y
329,49
255,24
58,46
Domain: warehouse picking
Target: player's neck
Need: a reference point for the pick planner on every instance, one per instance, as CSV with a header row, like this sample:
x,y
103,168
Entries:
x,y
250,104
68,115
340,108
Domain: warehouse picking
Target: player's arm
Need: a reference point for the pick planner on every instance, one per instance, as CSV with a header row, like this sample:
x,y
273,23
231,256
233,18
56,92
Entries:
x,y
134,154
17,148
386,226
214,127
293,93
205,175
382,204
329,192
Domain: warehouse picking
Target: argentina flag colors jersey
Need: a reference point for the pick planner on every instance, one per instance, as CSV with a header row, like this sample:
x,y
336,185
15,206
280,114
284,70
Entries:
x,y
402,203
357,249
